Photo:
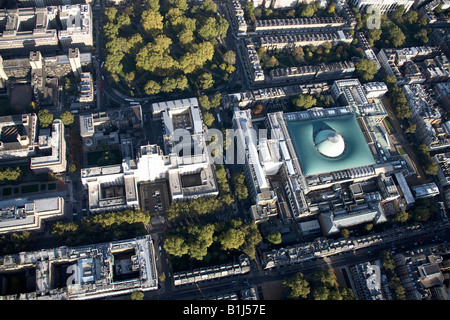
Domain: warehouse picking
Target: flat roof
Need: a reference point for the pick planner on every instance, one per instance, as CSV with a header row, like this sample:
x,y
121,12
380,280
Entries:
x,y
356,153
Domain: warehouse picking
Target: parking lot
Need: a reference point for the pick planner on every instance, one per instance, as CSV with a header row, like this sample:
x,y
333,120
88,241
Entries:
x,y
154,197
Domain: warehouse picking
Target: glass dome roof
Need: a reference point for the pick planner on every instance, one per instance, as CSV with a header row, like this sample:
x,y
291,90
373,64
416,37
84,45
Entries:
x,y
329,142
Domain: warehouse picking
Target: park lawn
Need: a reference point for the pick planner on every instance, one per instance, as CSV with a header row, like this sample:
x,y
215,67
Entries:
x,y
389,125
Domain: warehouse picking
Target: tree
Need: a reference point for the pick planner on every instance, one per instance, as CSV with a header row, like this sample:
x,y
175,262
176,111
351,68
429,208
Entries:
x,y
208,119
45,118
180,4
182,83
256,110
249,14
200,239
420,214
232,239
10,174
401,217
390,80
387,261
398,13
103,227
137,295
274,237
155,55
307,12
152,5
72,168
331,8
397,287
346,293
205,81
67,118
175,17
240,188
269,61
130,76
110,14
399,102
335,294
395,35
423,22
208,6
252,239
299,55
411,128
204,102
208,30
430,167
168,85
16,242
60,228
374,35
222,27
152,22
215,100
123,20
113,62
298,286
185,37
411,17
229,57
323,277
197,57
175,245
320,293
290,14
304,101
152,87
422,36
366,68
345,233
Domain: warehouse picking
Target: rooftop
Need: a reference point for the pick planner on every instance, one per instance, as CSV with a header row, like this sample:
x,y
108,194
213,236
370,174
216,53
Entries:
x,y
346,149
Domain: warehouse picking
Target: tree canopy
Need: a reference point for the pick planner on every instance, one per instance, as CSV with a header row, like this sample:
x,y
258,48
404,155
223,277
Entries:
x,y
195,240
159,46
429,165
395,35
366,69
10,174
102,227
45,118
399,102
298,286
304,101
67,118
274,237
16,242
240,188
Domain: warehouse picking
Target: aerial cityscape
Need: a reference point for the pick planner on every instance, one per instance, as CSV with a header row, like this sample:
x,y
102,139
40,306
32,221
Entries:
x,y
210,150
